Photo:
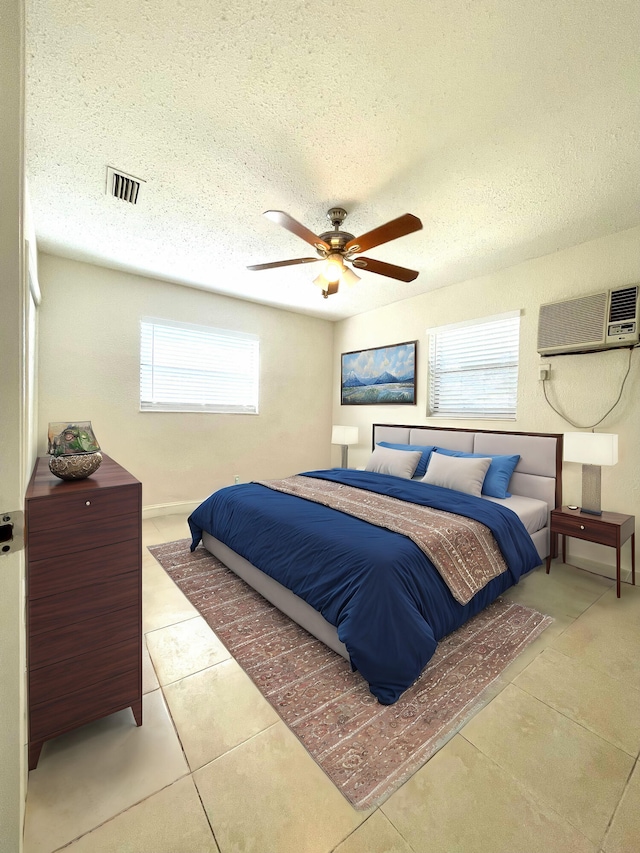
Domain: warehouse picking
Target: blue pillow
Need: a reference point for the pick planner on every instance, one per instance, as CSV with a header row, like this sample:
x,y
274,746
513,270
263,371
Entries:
x,y
497,478
427,450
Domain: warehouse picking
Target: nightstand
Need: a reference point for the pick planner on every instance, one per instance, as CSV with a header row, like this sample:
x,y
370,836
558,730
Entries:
x,y
610,528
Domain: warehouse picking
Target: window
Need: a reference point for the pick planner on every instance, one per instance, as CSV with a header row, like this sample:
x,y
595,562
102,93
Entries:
x,y
473,368
188,368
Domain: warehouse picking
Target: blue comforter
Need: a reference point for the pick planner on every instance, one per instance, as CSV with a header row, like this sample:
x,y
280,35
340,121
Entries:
x,y
388,602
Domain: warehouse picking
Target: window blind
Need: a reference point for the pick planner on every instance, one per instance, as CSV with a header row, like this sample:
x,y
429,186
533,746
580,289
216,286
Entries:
x,y
190,368
473,369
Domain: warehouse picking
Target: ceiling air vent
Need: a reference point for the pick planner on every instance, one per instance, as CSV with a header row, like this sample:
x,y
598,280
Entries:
x,y
123,186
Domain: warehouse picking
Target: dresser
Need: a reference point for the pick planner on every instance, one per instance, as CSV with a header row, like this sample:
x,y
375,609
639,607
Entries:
x,y
84,599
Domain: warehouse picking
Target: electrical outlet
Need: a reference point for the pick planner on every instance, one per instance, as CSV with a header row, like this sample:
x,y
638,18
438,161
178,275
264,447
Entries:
x,y
543,371
236,479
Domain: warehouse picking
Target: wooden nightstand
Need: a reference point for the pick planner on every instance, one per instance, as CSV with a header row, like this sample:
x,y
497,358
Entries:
x,y
610,528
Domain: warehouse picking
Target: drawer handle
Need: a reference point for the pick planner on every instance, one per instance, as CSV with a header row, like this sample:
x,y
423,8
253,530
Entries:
x,y
87,503
582,527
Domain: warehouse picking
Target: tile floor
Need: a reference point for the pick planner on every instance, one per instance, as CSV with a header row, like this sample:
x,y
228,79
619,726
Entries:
x,y
549,765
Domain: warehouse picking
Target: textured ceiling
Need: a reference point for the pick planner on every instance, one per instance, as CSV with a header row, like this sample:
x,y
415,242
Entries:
x,y
511,128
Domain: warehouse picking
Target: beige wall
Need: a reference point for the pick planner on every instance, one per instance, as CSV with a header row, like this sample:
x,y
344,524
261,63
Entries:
x,y
89,370
582,386
32,298
12,407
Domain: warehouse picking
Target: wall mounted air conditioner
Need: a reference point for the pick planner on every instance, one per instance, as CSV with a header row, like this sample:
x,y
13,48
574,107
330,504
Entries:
x,y
600,321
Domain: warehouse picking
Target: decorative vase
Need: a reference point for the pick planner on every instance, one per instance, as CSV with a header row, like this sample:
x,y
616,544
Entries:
x,y
75,467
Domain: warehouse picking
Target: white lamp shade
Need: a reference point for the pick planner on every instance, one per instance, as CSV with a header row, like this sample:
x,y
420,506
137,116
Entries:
x,y
344,435
333,268
348,277
590,448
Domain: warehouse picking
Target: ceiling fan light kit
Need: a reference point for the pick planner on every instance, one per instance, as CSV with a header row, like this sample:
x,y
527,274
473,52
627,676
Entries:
x,y
349,277
335,247
334,267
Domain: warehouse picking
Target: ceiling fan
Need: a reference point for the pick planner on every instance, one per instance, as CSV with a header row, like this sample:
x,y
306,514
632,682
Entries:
x,y
335,247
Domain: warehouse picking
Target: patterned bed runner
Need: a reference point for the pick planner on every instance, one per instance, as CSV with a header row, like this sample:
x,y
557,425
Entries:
x,y
463,550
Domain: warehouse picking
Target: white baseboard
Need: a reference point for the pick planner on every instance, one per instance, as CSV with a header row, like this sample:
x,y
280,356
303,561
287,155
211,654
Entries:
x,y
178,508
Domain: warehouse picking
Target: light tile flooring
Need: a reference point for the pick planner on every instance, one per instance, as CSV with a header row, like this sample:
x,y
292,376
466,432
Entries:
x,y
549,765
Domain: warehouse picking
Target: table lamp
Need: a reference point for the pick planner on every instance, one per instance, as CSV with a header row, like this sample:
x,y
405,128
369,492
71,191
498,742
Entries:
x,y
344,435
592,449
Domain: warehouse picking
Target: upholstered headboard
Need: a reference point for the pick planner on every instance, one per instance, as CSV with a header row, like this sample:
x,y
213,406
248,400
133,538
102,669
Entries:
x,y
538,473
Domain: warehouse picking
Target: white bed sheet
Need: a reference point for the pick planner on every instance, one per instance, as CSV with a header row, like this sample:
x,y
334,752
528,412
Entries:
x,y
532,513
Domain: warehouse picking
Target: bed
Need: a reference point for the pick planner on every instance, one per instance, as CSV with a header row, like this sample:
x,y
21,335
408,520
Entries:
x,y
366,584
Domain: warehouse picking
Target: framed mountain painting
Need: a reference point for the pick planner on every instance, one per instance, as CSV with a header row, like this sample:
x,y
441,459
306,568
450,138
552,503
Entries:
x,y
379,375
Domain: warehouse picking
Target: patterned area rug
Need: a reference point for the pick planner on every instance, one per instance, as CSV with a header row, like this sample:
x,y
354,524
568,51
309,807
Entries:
x,y
367,749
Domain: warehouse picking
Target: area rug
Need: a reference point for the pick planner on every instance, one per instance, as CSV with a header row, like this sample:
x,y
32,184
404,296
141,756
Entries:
x,y
368,750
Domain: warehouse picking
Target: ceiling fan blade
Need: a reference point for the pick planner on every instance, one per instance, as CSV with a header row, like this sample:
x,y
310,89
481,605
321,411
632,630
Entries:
x,y
288,222
275,264
405,224
382,268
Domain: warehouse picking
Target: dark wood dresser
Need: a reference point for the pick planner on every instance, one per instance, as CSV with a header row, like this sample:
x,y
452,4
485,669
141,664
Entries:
x,y
84,599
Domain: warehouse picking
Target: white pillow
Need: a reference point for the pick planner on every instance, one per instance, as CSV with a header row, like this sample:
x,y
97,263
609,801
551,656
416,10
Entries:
x,y
400,463
462,473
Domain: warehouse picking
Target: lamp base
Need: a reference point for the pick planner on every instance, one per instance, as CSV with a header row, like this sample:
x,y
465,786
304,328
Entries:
x,y
345,455
591,490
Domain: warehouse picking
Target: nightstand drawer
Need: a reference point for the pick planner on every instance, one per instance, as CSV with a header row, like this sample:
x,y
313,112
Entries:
x,y
82,536
48,683
69,571
71,507
87,602
66,642
584,528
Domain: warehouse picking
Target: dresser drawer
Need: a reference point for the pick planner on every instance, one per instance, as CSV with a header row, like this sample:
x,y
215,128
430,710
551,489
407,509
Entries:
x,y
73,506
67,676
49,719
67,641
82,536
86,602
585,528
85,568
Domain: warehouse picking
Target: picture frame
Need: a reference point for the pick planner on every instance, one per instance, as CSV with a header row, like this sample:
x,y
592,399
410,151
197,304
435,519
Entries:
x,y
376,376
